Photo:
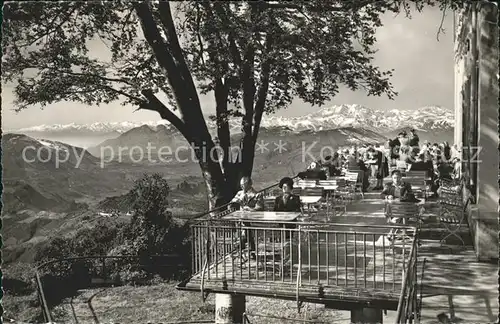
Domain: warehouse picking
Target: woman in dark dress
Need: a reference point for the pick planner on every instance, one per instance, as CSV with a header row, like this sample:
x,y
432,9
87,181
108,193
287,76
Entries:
x,y
287,201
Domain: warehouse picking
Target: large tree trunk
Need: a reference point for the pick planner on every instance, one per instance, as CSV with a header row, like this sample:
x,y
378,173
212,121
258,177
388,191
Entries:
x,y
221,187
221,183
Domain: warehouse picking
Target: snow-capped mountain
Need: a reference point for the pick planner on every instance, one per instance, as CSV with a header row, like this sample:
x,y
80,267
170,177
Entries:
x,y
425,118
98,127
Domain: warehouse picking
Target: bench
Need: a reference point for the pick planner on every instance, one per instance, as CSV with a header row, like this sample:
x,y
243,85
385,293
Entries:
x,y
306,183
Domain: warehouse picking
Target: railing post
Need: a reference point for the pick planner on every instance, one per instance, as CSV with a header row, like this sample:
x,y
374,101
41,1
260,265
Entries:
x,y
104,268
367,315
229,308
45,307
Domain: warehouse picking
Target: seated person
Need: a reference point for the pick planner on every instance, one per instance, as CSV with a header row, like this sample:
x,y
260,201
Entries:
x,y
287,201
443,171
313,173
413,138
398,190
333,164
249,200
411,160
366,175
404,154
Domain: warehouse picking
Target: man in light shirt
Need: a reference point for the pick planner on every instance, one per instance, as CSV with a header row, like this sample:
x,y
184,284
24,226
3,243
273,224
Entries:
x,y
248,200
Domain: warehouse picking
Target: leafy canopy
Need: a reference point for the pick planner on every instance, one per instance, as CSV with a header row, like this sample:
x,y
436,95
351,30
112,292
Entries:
x,y
307,50
254,56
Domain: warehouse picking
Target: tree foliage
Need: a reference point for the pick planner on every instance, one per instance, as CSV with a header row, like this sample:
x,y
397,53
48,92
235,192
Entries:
x,y
152,230
255,57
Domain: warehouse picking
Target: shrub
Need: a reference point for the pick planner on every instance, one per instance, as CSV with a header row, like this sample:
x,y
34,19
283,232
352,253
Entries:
x,y
18,279
152,230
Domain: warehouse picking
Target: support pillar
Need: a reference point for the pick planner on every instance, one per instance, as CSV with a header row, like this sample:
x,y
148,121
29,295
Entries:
x,y
367,316
229,308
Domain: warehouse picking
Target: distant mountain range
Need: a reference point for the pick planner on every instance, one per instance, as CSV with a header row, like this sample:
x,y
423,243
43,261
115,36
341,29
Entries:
x,y
425,118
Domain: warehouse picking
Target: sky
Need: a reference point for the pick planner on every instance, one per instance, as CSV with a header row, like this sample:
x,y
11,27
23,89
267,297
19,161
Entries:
x,y
423,76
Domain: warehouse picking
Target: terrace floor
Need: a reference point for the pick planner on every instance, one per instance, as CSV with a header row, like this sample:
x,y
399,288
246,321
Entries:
x,y
455,287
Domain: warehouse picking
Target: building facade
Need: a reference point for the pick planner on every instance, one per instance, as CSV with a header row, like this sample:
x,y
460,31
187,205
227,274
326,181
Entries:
x,y
476,119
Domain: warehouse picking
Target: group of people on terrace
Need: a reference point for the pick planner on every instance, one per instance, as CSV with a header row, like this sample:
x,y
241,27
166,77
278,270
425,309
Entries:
x,y
439,160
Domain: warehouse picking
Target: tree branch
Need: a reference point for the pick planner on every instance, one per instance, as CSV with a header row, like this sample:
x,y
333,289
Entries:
x,y
223,132
123,93
154,104
195,112
441,29
167,23
97,76
200,41
312,8
247,76
50,28
263,89
164,57
219,38
231,37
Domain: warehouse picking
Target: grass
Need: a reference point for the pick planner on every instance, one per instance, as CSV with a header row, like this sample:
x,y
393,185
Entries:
x,y
162,303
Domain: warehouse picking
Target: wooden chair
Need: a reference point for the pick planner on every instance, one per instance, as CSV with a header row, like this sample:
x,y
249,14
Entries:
x,y
225,238
313,192
344,193
452,212
333,198
418,182
402,211
269,204
355,181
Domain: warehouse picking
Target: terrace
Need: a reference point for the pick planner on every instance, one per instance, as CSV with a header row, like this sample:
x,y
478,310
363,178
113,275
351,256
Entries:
x,y
338,255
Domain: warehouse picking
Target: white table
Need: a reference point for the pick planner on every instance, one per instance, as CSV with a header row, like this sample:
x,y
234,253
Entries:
x,y
310,199
243,215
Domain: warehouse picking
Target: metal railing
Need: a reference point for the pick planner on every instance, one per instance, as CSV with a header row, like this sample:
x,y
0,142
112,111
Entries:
x,y
246,319
408,301
301,254
103,274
